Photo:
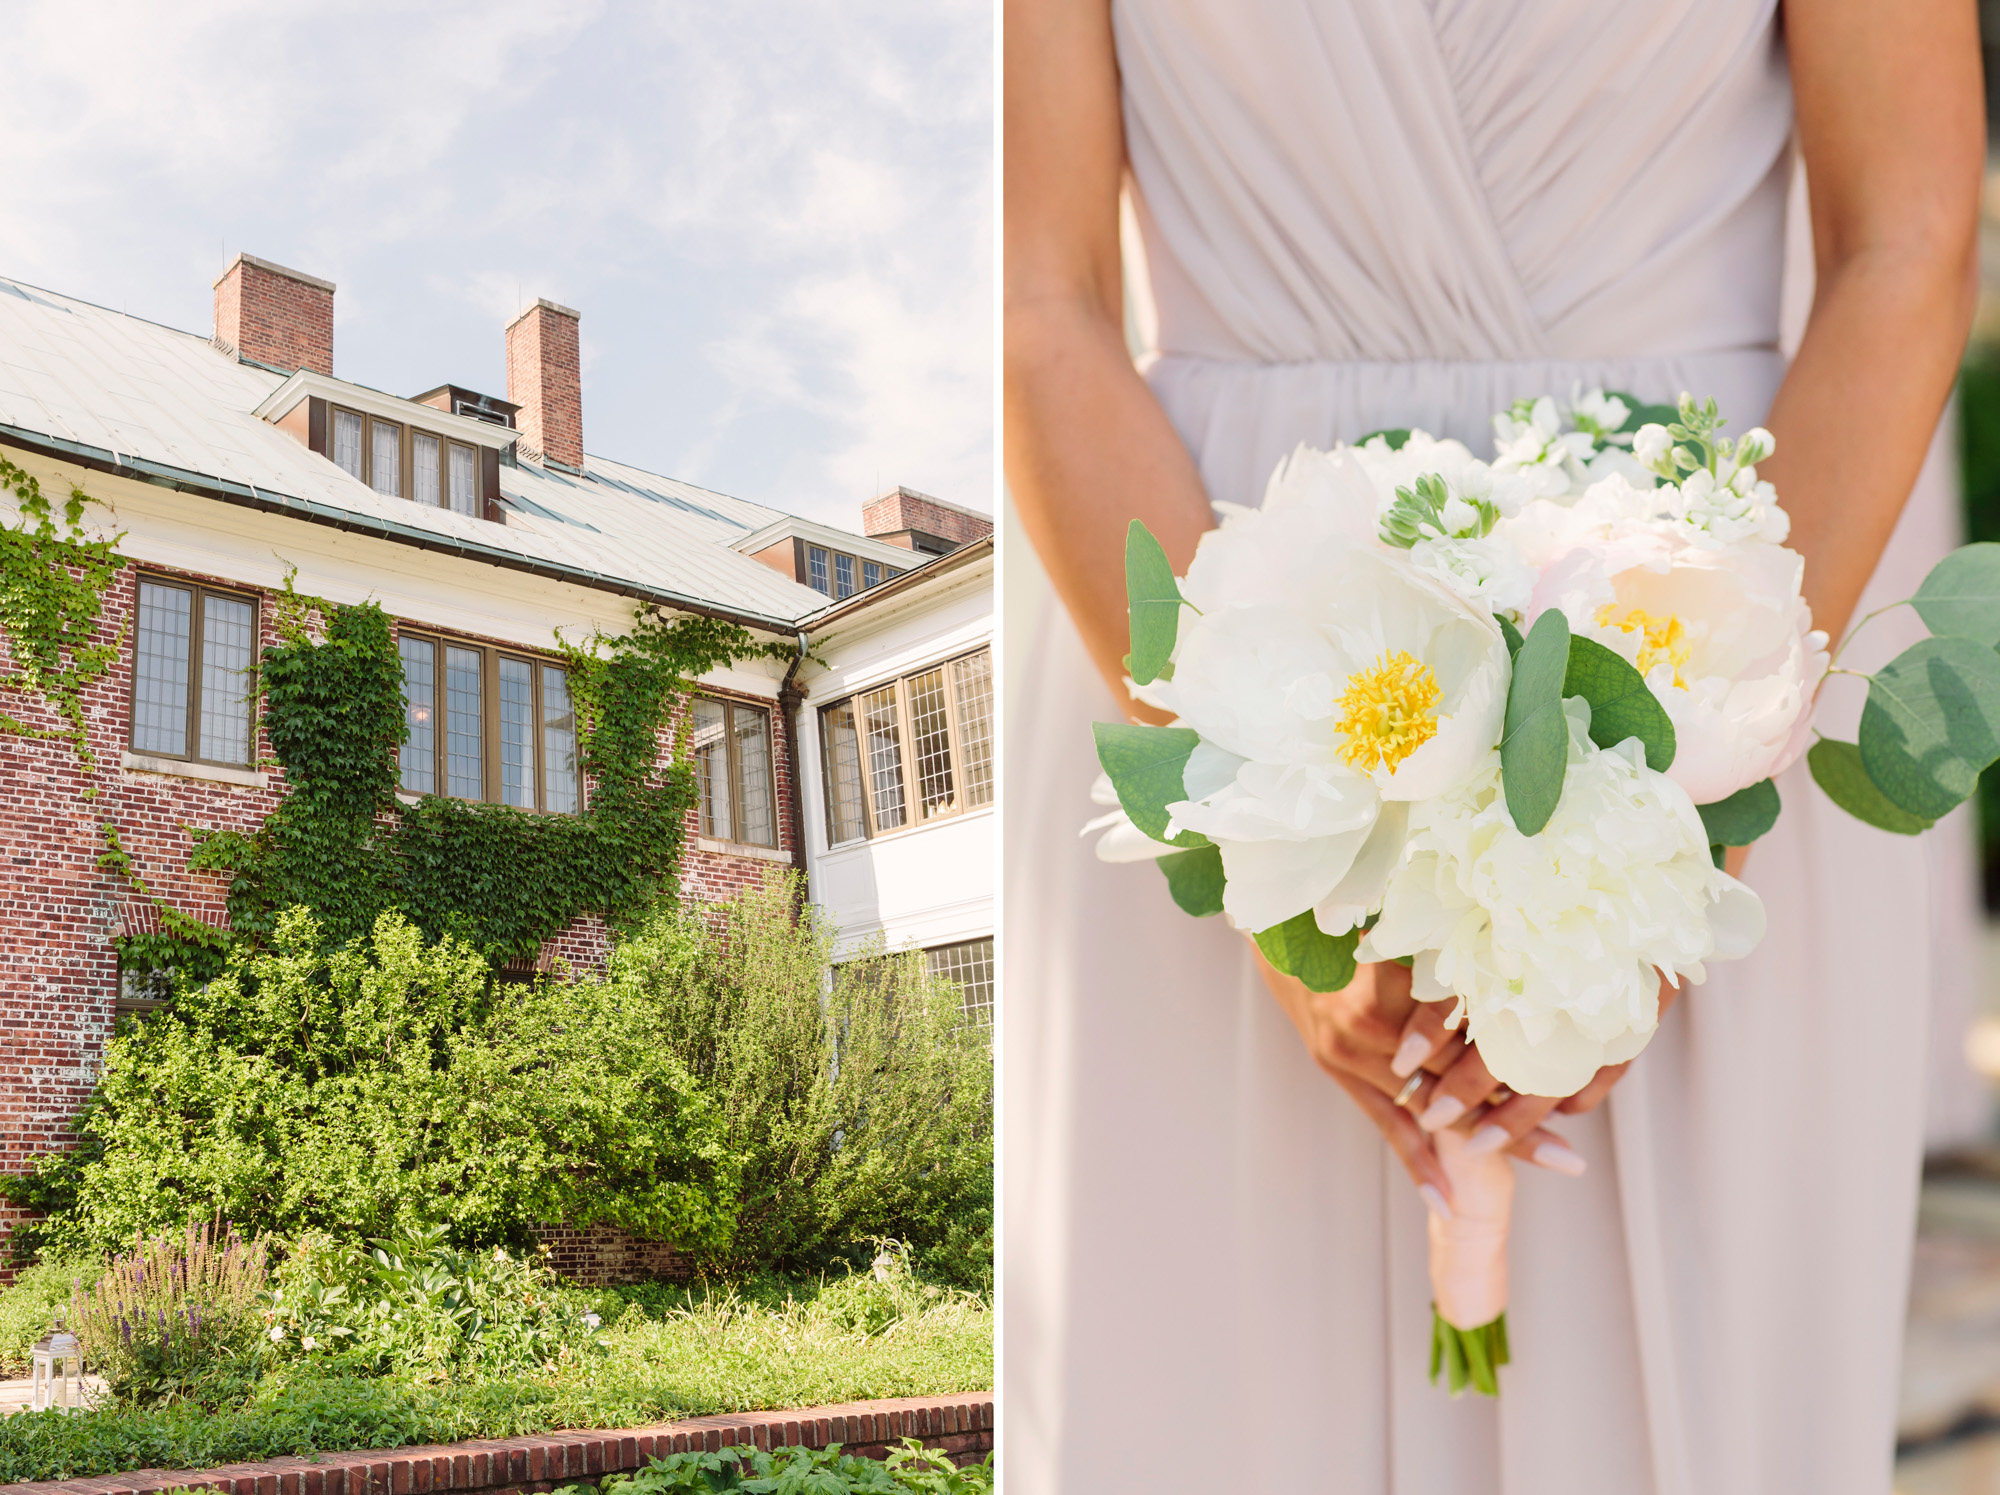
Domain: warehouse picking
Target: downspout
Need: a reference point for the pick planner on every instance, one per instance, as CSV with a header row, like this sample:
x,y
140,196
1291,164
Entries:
x,y
789,697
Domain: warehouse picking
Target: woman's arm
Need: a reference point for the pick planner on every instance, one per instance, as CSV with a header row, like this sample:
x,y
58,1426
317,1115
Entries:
x,y
1088,449
1891,121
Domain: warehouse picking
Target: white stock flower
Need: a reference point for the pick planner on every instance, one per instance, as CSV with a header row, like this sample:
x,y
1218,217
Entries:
x,y
1651,445
1714,514
1551,942
1531,443
1422,455
1331,682
1597,412
1487,572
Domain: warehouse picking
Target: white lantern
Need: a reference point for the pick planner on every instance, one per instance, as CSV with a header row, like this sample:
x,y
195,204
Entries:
x,y
58,1371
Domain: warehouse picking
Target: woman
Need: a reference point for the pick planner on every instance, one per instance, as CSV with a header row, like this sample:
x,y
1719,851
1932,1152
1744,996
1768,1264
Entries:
x,y
1368,213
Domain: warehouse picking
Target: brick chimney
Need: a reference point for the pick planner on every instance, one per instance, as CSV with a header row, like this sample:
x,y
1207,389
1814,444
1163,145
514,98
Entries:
x,y
545,378
272,315
916,521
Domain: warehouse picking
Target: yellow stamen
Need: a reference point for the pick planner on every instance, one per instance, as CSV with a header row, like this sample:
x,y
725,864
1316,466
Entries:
x,y
1663,640
1388,712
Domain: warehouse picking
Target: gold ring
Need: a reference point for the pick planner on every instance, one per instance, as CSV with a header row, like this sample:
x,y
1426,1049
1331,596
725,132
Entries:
x,y
1500,1096
1409,1089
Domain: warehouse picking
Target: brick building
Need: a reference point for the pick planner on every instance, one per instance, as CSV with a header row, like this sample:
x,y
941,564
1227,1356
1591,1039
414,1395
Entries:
x,y
227,460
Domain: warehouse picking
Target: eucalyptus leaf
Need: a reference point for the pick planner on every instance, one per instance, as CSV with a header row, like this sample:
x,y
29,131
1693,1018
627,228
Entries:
x,y
1621,705
1534,751
1511,634
1961,596
1324,962
1148,767
1836,768
1932,723
1155,602
1744,816
1394,435
1195,879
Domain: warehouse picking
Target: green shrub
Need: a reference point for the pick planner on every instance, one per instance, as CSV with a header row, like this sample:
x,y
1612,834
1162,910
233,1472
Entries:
x,y
176,1318
417,1307
28,1307
859,1104
384,1086
798,1471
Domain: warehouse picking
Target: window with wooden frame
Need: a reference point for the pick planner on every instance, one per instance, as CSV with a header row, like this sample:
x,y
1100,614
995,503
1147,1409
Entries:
x,y
402,461
487,724
733,779
910,752
969,966
194,652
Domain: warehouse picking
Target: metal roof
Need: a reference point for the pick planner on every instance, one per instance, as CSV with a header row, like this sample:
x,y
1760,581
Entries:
x,y
169,406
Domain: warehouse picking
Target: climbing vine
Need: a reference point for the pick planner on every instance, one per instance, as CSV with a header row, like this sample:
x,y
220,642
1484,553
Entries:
x,y
343,844
52,585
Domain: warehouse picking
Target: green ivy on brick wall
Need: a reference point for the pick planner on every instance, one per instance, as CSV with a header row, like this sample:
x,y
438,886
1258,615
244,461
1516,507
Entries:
x,y
52,586
342,844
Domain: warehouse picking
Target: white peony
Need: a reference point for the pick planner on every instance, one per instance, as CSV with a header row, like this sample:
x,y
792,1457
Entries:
x,y
1121,840
1719,630
1331,682
1551,942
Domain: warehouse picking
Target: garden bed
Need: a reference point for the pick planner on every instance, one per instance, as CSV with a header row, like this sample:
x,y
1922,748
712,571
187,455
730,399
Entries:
x,y
961,1426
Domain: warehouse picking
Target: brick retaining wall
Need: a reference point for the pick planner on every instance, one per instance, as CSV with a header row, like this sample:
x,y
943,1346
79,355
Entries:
x,y
961,1426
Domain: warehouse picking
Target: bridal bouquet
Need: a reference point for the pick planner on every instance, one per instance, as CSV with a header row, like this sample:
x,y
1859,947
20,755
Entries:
x,y
1499,720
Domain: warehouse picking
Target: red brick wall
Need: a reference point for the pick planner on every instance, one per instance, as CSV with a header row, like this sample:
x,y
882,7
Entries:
x,y
59,910
606,1257
276,316
902,509
545,378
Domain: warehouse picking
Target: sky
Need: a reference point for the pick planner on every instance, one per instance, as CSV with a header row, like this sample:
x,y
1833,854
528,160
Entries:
x,y
775,216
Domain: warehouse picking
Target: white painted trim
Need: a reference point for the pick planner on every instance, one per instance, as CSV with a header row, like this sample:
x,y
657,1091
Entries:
x,y
181,768
739,849
827,537
305,382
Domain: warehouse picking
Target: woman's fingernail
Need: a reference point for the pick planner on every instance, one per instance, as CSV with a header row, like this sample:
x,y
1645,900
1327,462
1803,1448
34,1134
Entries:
x,y
1434,1201
1559,1159
1441,1113
1416,1048
1488,1139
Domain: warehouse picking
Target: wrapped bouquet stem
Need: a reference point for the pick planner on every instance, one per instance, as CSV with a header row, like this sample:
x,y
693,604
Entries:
x,y
1501,720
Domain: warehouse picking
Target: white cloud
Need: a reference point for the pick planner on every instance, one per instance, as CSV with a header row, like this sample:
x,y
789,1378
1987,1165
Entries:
x,y
775,217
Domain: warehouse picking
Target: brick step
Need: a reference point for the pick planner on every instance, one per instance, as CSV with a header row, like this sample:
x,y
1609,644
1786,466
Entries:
x,y
961,1426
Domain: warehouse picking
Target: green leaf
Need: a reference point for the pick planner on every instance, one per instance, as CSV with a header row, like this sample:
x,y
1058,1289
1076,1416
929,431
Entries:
x,y
1510,633
1148,767
1324,962
1932,722
1744,816
1534,752
1836,768
1469,1357
1961,596
1394,435
1620,704
1155,603
1195,879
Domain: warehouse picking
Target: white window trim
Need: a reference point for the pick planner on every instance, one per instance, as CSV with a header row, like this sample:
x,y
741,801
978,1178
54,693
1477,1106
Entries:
x,y
741,849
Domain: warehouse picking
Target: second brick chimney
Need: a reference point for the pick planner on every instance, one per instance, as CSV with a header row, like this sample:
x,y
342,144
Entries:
x,y
545,378
275,316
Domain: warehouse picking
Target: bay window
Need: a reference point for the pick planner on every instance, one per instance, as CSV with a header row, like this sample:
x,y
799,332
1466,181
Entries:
x,y
915,750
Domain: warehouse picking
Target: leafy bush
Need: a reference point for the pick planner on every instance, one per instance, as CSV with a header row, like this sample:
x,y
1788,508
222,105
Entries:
x,y
29,1306
176,1318
860,1106
384,1086
418,1307
798,1471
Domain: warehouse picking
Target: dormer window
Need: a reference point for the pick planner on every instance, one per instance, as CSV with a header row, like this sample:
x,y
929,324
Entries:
x,y
418,451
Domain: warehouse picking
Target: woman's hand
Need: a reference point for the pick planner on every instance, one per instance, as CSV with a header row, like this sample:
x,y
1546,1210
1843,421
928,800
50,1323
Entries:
x,y
1357,1035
